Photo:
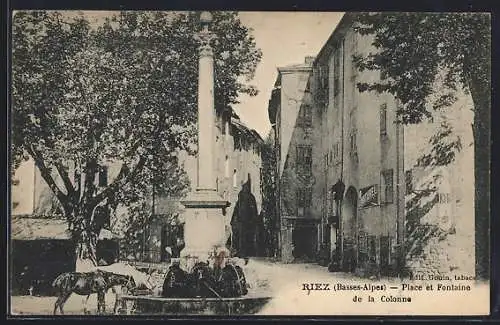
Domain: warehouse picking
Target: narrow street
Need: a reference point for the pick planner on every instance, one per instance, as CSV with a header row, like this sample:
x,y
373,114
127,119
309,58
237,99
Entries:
x,y
285,283
267,277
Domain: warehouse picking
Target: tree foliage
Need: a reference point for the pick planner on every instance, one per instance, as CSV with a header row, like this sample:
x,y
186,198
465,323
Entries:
x,y
269,192
412,51
123,90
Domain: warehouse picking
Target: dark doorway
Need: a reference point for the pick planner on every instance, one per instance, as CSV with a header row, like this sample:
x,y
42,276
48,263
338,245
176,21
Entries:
x,y
350,217
385,255
305,240
171,241
36,263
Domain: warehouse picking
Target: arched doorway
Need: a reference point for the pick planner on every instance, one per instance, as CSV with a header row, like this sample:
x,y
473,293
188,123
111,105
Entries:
x,y
350,221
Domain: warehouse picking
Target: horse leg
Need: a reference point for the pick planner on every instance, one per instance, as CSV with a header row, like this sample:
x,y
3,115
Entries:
x,y
101,303
85,301
63,300
57,303
117,292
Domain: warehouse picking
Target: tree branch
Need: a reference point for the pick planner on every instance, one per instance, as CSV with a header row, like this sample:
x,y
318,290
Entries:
x,y
78,180
65,178
46,174
125,175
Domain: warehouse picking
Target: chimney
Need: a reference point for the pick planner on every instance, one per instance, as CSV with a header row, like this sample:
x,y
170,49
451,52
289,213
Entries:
x,y
309,60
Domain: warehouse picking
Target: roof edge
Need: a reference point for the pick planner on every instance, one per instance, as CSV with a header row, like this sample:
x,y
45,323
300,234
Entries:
x,y
344,22
295,69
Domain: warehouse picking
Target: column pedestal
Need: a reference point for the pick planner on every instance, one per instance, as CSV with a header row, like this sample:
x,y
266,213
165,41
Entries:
x,y
204,229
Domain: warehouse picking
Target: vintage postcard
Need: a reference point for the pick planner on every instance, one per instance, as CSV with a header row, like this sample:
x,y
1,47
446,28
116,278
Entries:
x,y
249,163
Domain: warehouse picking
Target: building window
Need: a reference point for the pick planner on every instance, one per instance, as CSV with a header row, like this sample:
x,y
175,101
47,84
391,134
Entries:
x,y
444,198
336,151
304,158
226,167
223,124
226,134
304,196
103,176
305,115
383,119
235,183
353,142
383,75
388,185
323,83
323,76
352,118
409,181
332,206
336,71
353,49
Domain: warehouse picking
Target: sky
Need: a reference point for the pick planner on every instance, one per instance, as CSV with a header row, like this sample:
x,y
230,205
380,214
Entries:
x,y
284,38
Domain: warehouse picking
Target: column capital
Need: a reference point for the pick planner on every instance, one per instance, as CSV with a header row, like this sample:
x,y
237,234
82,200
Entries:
x,y
204,37
205,51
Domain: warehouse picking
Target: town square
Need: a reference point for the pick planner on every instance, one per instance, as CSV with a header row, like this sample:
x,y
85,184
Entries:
x,y
248,163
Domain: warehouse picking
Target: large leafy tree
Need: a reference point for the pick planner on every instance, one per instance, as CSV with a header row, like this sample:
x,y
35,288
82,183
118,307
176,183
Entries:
x,y
123,90
413,50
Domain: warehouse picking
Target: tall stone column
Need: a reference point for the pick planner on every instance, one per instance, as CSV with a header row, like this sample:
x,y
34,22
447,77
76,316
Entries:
x,y
204,229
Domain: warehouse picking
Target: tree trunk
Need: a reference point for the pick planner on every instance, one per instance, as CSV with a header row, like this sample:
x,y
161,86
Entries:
x,y
84,236
482,155
86,245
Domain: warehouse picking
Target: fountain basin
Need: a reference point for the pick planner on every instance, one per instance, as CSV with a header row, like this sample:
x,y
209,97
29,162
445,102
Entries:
x,y
153,305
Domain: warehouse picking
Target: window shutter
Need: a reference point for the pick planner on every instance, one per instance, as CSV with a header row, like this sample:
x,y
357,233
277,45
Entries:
x,y
409,181
387,190
103,176
383,119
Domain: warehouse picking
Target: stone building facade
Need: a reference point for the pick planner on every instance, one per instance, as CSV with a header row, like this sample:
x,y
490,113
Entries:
x,y
360,147
290,111
31,196
238,163
362,164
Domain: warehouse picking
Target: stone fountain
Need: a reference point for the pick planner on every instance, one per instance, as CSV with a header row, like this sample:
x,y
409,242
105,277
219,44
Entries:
x,y
205,279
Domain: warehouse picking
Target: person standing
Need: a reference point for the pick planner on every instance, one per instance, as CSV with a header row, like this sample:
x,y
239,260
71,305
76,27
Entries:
x,y
244,223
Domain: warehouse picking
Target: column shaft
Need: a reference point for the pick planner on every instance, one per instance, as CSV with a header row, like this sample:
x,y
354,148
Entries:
x,y
206,121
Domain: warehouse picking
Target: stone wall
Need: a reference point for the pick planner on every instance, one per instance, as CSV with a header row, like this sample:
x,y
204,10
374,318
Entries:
x,y
441,222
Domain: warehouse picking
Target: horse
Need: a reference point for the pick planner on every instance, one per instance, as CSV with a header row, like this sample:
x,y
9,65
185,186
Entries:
x,y
117,282
85,284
